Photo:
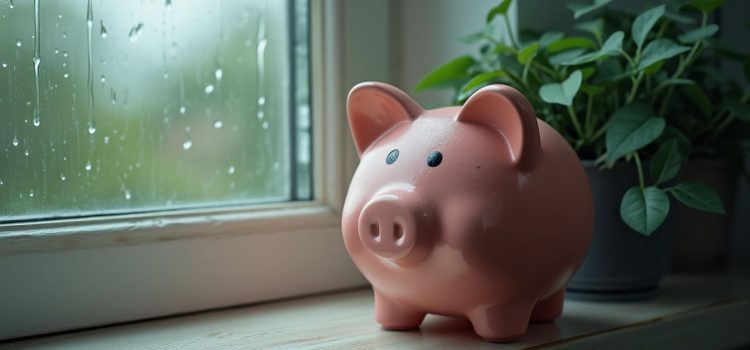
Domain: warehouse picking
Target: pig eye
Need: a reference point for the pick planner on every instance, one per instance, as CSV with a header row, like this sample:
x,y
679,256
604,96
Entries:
x,y
392,156
434,159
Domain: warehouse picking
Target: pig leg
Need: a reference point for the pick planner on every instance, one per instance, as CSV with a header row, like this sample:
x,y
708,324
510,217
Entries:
x,y
395,316
549,309
501,323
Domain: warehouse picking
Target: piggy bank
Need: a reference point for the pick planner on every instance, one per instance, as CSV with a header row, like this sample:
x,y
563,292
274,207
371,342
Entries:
x,y
481,211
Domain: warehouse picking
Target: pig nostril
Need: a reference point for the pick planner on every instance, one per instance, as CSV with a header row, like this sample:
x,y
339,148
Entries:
x,y
375,231
398,232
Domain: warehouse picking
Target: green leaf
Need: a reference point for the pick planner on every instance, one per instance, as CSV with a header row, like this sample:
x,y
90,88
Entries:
x,y
570,43
611,47
673,81
631,128
698,196
549,37
644,210
678,18
741,111
485,33
499,10
527,53
562,93
583,9
699,97
698,34
704,5
654,68
595,27
479,81
447,74
666,162
644,23
565,56
659,49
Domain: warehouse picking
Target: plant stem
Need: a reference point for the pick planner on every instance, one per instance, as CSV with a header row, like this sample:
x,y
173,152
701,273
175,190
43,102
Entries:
x,y
552,73
510,32
576,124
634,89
640,170
730,117
598,133
682,66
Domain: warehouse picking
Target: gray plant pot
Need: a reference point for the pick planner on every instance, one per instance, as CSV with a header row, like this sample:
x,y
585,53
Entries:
x,y
621,264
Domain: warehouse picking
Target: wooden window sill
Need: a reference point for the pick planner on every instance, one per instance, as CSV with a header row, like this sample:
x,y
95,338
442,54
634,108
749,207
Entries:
x,y
692,311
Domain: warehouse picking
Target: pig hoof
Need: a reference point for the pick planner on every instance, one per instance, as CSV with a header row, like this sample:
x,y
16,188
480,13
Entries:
x,y
549,309
501,323
395,317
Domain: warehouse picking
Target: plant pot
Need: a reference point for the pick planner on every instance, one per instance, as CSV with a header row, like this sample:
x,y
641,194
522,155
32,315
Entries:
x,y
701,239
621,264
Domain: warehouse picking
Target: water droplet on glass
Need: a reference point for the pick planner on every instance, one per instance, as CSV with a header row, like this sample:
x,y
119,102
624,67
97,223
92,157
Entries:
x,y
5,65
18,42
36,121
11,4
65,75
28,103
59,15
168,3
103,79
187,144
57,51
106,140
261,101
209,89
65,53
182,109
92,129
31,193
134,32
218,74
218,124
102,29
231,169
1,182
261,114
88,166
15,140
265,125
127,195
65,35
62,177
26,152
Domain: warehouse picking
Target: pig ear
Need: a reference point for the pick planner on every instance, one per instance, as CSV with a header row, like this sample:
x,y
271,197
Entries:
x,y
503,108
374,108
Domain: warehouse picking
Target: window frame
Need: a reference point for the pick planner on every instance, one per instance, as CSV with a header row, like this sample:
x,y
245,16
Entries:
x,y
172,262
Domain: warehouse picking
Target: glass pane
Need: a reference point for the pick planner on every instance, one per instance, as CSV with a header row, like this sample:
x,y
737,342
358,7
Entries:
x,y
114,106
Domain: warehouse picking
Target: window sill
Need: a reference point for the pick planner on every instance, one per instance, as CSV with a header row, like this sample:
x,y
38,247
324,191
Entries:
x,y
695,311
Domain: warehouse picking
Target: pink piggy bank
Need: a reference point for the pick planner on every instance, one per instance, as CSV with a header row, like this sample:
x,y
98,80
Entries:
x,y
481,211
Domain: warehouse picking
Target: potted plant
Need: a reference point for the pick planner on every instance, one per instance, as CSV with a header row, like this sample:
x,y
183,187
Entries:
x,y
633,96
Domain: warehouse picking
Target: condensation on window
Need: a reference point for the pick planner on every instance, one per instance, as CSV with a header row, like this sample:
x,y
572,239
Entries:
x,y
115,106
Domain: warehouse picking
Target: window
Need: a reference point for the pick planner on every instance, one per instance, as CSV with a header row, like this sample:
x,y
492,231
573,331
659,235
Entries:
x,y
114,107
170,168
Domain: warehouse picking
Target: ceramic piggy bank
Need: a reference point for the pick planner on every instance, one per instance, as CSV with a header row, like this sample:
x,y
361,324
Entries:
x,y
481,211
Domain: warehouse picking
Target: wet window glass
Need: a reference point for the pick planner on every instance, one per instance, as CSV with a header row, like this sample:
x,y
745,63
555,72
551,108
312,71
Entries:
x,y
120,106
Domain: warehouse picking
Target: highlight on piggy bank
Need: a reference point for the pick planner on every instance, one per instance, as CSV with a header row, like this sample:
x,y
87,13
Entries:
x,y
481,211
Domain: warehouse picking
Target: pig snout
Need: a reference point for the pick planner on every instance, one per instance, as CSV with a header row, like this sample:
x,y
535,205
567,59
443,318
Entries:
x,y
388,226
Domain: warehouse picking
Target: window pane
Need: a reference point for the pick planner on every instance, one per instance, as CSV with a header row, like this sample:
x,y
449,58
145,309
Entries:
x,y
114,106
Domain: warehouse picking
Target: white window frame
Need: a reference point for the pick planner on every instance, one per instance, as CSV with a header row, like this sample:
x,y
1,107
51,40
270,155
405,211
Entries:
x,y
60,275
